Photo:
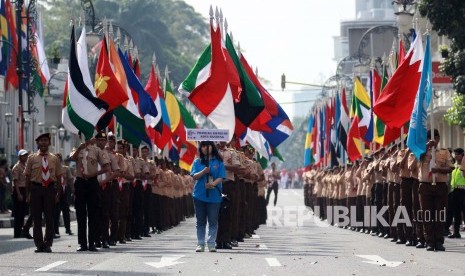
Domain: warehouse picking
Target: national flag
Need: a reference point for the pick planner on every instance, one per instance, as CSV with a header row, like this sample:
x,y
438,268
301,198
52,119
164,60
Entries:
x,y
343,123
163,128
361,106
84,109
174,113
249,109
5,47
66,121
145,104
416,139
378,124
211,93
395,104
188,149
308,154
279,124
128,113
107,87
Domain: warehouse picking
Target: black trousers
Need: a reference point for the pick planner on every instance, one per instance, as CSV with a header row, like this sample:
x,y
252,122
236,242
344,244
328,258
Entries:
x,y
87,201
458,197
62,206
274,188
21,208
138,211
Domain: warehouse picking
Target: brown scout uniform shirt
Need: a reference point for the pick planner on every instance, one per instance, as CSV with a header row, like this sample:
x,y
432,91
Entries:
x,y
443,160
19,179
34,167
95,156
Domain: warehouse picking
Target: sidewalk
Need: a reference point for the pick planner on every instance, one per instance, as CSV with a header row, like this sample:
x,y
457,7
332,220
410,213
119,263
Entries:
x,y
7,221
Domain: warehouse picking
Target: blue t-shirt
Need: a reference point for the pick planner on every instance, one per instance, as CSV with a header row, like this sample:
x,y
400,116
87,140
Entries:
x,y
217,170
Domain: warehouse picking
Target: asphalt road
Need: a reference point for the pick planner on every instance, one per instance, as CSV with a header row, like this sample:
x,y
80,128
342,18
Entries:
x,y
293,244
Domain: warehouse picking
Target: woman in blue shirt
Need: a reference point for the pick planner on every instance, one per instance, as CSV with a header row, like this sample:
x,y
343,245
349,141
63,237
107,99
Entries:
x,y
208,172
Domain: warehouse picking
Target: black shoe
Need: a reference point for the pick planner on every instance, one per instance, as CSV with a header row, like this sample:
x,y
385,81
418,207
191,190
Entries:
x,y
240,239
56,236
47,249
226,245
105,244
153,231
399,241
69,232
128,239
219,245
429,247
446,233
147,235
234,244
93,248
454,236
373,233
122,241
387,236
112,243
27,235
410,243
82,248
439,247
137,238
394,240
39,250
98,245
420,245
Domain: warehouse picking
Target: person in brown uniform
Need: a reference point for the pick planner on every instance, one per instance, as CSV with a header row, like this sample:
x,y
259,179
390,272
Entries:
x,y
19,192
393,178
225,222
147,190
88,157
62,205
406,234
433,191
107,192
42,171
124,181
112,189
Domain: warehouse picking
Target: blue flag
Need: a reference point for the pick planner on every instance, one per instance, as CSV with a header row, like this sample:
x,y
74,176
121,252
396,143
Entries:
x,y
416,140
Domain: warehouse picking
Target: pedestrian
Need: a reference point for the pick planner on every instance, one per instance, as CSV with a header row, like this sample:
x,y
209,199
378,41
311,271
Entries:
x,y
273,177
42,172
19,192
208,172
458,192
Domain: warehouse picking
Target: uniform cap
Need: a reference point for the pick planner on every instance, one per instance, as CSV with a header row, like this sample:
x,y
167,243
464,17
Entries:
x,y
101,134
47,134
22,152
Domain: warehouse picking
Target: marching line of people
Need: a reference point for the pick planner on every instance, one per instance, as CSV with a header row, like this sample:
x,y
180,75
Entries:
x,y
119,197
415,193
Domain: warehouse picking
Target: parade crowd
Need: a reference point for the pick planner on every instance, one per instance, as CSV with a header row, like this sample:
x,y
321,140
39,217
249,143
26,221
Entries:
x,y
430,192
120,197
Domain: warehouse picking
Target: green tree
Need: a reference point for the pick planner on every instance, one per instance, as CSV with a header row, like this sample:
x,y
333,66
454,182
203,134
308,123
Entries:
x,y
170,29
447,18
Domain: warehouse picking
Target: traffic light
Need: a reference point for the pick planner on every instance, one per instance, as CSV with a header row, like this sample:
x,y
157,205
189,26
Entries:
x,y
283,81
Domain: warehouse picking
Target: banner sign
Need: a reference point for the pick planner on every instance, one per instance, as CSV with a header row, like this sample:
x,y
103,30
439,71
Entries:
x,y
216,135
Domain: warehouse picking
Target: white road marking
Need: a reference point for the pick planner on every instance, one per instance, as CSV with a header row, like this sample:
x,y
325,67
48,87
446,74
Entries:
x,y
272,262
262,246
255,236
50,266
166,261
377,260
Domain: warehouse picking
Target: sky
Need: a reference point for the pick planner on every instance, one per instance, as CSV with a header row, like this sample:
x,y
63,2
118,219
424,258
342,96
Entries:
x,y
294,37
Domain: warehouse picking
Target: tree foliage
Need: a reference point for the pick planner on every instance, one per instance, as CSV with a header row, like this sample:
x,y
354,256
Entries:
x,y
456,113
447,18
170,29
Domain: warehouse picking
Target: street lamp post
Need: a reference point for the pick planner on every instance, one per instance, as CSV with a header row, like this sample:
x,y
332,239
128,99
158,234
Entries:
x,y
53,129
62,135
8,118
27,123
41,126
